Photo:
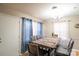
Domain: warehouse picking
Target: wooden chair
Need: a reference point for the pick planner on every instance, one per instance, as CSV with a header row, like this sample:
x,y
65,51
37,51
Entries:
x,y
33,49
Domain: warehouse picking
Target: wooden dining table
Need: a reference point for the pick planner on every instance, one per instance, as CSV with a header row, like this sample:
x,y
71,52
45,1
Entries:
x,y
50,43
47,42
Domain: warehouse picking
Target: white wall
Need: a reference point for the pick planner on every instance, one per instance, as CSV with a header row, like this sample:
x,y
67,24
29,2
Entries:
x,y
47,28
10,32
73,32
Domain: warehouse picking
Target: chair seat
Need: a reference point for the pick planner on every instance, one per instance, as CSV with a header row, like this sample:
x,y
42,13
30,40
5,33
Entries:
x,y
62,51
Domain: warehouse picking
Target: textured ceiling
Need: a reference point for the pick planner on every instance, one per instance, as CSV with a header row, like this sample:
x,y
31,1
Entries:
x,y
40,9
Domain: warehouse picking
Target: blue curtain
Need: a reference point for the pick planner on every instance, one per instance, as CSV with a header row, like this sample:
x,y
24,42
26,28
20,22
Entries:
x,y
39,29
26,33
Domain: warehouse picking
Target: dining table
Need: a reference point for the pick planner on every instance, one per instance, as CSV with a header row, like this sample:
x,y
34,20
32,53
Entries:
x,y
47,42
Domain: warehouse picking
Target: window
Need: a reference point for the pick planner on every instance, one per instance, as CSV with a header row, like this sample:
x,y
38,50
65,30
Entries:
x,y
37,28
34,26
61,28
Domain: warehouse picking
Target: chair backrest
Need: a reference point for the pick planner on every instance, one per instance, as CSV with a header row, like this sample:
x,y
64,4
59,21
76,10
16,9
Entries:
x,y
71,46
39,37
33,49
64,43
34,38
55,35
65,46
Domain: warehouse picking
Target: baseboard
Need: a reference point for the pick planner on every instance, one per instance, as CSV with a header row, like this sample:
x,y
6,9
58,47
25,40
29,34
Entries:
x,y
75,49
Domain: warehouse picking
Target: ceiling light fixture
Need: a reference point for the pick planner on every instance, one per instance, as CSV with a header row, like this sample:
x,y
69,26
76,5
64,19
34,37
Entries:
x,y
54,7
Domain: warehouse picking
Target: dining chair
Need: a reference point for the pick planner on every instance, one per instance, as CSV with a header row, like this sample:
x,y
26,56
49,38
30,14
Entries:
x,y
34,38
44,51
64,48
71,46
33,49
39,37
